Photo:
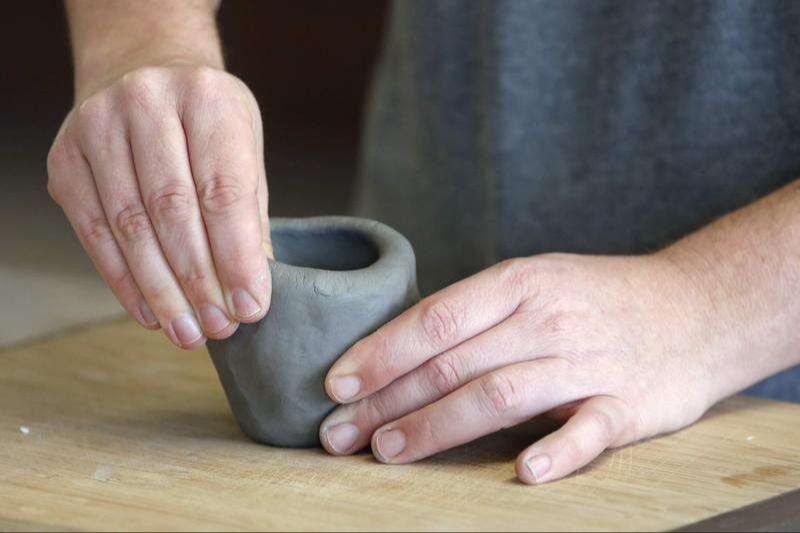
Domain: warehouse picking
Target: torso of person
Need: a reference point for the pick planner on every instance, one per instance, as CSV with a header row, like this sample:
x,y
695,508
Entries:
x,y
505,128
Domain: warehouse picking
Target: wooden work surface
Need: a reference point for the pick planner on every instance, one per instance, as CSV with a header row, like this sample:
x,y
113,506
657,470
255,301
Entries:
x,y
110,427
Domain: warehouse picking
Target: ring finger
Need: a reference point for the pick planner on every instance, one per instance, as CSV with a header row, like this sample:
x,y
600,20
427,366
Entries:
x,y
110,157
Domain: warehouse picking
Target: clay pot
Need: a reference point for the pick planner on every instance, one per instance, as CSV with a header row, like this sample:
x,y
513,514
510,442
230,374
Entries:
x,y
334,281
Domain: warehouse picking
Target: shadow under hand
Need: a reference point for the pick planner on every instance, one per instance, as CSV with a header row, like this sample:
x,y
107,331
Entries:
x,y
501,448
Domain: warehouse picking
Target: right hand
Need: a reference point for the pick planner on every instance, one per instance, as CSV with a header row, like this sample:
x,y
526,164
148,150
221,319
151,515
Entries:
x,y
161,174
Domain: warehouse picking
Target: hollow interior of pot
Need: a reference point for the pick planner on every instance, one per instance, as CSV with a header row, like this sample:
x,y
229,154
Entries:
x,y
324,249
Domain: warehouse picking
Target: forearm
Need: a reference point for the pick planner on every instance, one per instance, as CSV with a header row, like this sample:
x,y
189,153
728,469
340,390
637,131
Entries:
x,y
747,266
112,37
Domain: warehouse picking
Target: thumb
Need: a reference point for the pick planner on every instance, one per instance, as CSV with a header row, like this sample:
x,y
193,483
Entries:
x,y
599,423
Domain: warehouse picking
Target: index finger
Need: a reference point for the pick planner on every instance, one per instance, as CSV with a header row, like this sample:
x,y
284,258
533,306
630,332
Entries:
x,y
435,325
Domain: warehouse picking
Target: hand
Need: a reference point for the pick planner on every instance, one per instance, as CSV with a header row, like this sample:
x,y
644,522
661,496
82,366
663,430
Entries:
x,y
161,174
624,348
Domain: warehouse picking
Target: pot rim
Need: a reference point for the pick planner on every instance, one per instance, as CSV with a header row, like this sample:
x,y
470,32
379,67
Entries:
x,y
395,262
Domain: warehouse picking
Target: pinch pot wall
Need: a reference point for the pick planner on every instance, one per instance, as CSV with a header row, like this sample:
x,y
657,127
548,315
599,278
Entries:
x,y
335,280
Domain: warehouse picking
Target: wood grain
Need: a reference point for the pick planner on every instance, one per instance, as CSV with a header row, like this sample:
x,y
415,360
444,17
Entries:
x,y
112,428
780,513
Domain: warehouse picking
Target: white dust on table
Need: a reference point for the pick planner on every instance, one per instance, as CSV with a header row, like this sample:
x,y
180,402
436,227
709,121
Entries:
x,y
25,430
103,473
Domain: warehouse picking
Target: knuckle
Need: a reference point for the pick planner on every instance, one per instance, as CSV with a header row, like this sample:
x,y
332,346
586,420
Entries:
x,y
54,190
55,158
171,203
374,410
384,368
519,274
122,282
142,87
442,322
63,160
384,363
196,280
219,194
207,87
205,83
95,112
144,76
499,394
55,185
63,152
132,223
160,296
604,425
572,448
444,374
426,433
95,232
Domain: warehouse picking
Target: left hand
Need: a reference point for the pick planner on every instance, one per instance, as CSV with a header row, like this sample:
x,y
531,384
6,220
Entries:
x,y
623,347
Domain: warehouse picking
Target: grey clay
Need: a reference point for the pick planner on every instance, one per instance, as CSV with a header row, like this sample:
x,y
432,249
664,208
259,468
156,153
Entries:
x,y
334,280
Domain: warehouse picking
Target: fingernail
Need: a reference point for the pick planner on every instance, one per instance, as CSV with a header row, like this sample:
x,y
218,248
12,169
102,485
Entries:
x,y
341,437
213,319
390,444
186,329
149,318
345,387
538,466
244,304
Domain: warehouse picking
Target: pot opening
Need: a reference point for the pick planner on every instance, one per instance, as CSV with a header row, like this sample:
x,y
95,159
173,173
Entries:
x,y
324,249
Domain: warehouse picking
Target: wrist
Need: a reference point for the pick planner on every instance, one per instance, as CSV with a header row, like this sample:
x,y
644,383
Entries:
x,y
114,37
697,300
738,301
96,71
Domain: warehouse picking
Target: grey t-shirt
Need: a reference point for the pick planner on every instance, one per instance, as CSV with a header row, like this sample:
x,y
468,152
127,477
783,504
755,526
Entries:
x,y
502,128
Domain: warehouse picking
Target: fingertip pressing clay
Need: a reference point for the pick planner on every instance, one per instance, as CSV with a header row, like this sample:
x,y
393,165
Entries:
x,y
334,281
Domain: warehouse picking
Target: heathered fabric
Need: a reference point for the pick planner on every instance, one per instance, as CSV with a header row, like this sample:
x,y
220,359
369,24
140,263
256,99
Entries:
x,y
503,128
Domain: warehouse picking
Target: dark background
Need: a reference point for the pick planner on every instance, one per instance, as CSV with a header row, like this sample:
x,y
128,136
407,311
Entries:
x,y
309,64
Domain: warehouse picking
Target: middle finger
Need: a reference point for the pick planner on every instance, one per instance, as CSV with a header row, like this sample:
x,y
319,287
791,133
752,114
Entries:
x,y
498,400
167,188
350,427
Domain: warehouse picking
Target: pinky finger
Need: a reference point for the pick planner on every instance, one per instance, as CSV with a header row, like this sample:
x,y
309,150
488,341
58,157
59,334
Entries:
x,y
599,423
72,187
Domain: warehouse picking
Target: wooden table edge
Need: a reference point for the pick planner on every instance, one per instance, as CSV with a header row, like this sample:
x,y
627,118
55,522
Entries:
x,y
779,513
